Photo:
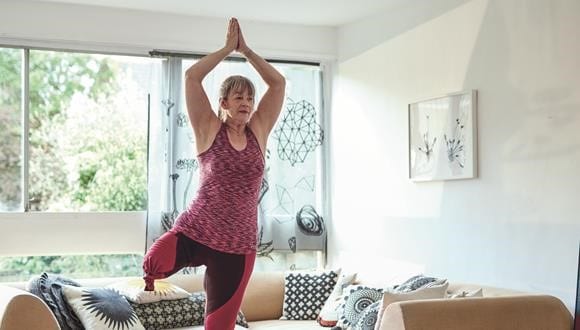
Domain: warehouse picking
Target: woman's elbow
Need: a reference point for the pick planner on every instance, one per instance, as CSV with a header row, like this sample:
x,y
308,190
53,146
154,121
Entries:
x,y
280,82
192,75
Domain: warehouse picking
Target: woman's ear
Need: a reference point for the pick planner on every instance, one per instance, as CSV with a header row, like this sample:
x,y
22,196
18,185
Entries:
x,y
223,103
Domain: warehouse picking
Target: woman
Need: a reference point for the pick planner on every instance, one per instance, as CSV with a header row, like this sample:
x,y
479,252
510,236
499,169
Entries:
x,y
219,228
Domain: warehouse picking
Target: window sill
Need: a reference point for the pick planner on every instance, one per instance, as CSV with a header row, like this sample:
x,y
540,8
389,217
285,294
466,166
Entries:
x,y
54,233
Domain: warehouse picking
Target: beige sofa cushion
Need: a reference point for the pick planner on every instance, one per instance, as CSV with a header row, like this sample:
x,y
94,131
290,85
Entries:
x,y
434,292
264,296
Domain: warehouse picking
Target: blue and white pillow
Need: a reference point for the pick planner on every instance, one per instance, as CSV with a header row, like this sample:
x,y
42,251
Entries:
x,y
414,283
356,299
368,317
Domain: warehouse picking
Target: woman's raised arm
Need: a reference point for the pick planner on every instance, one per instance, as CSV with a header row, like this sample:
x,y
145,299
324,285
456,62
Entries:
x,y
270,106
203,120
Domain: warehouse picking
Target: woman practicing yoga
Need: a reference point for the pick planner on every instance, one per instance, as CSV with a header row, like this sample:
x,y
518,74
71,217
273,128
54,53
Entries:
x,y
219,227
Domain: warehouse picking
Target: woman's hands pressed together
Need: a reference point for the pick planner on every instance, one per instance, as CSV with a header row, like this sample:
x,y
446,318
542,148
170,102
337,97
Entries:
x,y
234,38
232,35
242,46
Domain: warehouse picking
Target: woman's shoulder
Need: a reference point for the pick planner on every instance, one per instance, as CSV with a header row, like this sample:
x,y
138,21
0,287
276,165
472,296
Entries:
x,y
206,140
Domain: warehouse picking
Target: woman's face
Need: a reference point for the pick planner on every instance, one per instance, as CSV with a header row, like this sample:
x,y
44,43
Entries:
x,y
239,105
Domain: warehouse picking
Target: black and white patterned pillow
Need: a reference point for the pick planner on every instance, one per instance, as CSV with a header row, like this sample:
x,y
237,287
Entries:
x,y
369,317
169,314
414,283
305,293
356,299
101,308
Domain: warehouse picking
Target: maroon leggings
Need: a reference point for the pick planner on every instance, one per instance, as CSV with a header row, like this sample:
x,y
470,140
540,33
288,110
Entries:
x,y
225,280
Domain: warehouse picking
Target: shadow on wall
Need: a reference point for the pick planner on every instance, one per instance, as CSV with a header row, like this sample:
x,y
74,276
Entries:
x,y
360,36
528,148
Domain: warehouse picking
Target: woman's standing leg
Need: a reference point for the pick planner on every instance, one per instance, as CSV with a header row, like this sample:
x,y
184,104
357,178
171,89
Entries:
x,y
226,278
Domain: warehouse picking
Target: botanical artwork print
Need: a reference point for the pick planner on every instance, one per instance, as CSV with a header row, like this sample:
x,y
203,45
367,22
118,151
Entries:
x,y
442,138
427,144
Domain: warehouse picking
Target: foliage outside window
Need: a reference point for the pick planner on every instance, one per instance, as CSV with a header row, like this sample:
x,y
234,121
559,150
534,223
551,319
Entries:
x,y
10,129
87,145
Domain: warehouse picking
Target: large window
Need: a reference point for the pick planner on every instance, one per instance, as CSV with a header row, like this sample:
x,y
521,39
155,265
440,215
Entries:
x,y
87,122
86,119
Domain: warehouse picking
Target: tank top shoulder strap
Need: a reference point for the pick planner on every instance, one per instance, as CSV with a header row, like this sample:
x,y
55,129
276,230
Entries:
x,y
221,133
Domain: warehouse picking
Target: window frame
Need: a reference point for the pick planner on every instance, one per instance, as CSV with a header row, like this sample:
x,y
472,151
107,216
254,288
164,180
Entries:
x,y
24,233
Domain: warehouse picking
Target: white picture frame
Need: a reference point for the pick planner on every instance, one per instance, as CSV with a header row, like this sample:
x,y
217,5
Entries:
x,y
443,137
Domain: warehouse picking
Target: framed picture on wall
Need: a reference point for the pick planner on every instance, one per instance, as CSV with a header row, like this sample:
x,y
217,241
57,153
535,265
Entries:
x,y
443,137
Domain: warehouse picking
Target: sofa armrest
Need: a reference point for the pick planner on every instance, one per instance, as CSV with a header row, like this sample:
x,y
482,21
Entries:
x,y
535,312
20,310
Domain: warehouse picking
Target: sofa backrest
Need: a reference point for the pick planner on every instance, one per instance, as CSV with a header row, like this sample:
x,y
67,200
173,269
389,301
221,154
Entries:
x,y
264,296
262,301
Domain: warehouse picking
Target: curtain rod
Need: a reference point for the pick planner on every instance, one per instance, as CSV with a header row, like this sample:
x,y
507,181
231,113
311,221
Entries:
x,y
163,53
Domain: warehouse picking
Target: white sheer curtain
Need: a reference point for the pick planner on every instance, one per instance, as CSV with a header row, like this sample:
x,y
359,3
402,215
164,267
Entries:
x,y
290,210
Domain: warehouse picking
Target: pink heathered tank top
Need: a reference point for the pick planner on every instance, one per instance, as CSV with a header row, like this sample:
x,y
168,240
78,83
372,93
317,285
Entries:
x,y
224,213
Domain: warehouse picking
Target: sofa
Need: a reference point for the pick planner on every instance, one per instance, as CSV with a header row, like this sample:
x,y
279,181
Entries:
x,y
499,309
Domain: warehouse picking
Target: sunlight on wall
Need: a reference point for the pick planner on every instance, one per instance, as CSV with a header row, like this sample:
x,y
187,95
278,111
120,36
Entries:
x,y
378,271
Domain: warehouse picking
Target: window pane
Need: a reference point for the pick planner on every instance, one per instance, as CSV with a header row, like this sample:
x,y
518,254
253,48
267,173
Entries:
x,y
88,131
14,269
10,129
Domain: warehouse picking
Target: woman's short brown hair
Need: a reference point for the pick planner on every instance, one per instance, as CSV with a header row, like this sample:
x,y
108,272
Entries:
x,y
235,83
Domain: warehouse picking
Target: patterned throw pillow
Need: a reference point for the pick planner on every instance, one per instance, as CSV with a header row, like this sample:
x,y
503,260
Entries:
x,y
101,308
134,290
356,299
414,283
369,317
169,314
305,293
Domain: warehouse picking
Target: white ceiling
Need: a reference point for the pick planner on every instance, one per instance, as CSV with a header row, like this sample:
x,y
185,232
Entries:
x,y
303,12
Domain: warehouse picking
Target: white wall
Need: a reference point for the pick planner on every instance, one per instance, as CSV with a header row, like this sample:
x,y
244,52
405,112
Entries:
x,y
78,26
518,224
